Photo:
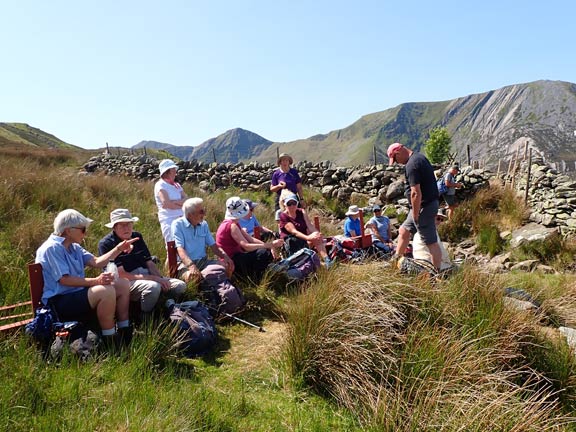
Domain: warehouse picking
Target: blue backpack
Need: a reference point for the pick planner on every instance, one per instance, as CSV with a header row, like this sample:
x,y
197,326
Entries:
x,y
442,188
196,332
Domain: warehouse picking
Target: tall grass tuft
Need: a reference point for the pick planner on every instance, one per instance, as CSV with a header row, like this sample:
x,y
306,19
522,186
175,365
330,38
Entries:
x,y
416,356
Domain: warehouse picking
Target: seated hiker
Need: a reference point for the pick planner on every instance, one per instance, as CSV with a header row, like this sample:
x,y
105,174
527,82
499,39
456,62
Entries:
x,y
420,249
249,222
72,295
352,224
146,281
192,236
381,232
251,256
298,232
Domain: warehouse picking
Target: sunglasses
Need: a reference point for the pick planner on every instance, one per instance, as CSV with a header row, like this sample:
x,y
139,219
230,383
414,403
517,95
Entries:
x,y
291,203
439,219
83,229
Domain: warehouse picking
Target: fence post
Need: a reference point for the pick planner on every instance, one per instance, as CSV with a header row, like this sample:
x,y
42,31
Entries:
x,y
528,175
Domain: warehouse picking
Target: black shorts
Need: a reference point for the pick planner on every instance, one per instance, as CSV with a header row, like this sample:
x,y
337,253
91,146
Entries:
x,y
73,306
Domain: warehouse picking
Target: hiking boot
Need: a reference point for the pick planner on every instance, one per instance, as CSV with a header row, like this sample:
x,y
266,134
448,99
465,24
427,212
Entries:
x,y
110,344
125,336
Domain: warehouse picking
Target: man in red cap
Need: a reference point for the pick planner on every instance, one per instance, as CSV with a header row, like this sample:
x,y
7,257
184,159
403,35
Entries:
x,y
423,200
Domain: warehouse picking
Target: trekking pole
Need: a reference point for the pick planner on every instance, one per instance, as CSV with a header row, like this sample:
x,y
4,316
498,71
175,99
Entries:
x,y
260,328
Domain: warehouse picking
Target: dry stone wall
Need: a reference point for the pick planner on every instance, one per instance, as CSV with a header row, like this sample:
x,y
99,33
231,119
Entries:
x,y
378,183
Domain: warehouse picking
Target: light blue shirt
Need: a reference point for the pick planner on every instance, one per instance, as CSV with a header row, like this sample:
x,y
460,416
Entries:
x,y
193,239
381,223
57,261
352,225
249,224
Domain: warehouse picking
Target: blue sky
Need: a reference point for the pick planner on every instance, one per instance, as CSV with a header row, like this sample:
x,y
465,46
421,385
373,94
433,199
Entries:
x,y
182,72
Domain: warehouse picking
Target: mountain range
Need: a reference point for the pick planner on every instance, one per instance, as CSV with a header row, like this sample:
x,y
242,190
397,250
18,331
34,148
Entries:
x,y
492,126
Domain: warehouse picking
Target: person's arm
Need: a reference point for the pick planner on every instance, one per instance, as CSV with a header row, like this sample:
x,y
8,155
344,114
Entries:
x,y
219,252
375,232
246,241
101,261
187,261
169,204
313,233
416,200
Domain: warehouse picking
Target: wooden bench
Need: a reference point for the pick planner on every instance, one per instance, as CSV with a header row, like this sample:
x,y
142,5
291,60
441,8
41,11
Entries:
x,y
18,316
172,255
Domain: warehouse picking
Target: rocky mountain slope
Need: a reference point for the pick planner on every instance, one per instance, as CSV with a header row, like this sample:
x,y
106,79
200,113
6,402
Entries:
x,y
232,146
493,124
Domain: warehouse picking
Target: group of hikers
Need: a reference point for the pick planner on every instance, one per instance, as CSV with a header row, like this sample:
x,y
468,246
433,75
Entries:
x,y
135,276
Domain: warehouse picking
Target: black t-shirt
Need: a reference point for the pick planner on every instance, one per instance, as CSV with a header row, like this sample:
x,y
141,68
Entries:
x,y
137,257
420,171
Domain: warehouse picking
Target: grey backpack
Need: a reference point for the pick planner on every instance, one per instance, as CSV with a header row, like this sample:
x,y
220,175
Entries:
x,y
218,292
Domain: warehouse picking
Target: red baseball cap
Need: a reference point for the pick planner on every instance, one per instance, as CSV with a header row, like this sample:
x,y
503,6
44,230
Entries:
x,y
392,149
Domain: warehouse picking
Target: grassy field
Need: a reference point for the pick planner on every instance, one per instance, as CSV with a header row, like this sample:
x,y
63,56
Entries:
x,y
359,348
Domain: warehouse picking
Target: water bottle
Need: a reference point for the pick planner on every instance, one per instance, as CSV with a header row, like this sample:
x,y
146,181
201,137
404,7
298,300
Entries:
x,y
111,268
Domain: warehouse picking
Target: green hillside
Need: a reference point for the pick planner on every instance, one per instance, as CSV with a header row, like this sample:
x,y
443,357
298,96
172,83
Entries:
x,y
17,134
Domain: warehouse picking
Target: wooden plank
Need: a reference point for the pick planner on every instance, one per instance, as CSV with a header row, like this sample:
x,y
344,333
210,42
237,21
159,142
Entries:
x,y
172,258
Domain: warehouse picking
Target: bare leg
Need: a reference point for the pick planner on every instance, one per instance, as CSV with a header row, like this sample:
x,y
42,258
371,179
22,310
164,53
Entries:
x,y
436,253
403,240
103,299
122,288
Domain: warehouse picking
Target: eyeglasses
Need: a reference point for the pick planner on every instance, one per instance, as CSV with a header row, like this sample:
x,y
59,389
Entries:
x,y
377,211
291,203
439,219
83,229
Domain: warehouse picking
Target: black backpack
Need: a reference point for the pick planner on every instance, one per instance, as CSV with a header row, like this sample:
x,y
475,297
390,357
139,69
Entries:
x,y
196,332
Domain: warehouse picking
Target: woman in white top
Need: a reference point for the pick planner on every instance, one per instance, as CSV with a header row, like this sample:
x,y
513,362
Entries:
x,y
169,197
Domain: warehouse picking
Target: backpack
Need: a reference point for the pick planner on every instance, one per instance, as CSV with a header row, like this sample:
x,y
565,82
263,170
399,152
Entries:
x,y
41,327
298,266
53,336
442,188
344,249
219,293
196,332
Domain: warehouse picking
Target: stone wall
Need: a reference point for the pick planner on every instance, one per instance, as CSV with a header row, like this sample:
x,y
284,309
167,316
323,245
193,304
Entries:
x,y
551,195
377,183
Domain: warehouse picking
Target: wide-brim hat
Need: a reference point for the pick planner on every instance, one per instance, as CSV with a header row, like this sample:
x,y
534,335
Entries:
x,y
165,165
284,156
236,208
352,210
120,215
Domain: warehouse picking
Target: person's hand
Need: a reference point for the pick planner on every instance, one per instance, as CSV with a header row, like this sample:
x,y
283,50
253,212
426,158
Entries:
x,y
277,243
105,278
194,274
314,236
302,203
126,245
282,184
164,283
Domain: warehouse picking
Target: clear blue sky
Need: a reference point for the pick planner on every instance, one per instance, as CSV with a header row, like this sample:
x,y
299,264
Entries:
x,y
182,72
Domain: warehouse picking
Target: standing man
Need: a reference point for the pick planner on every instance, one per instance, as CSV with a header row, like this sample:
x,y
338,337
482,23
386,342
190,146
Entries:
x,y
452,185
423,200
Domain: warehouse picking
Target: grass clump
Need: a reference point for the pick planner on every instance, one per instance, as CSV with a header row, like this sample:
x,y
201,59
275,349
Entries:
x,y
415,356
